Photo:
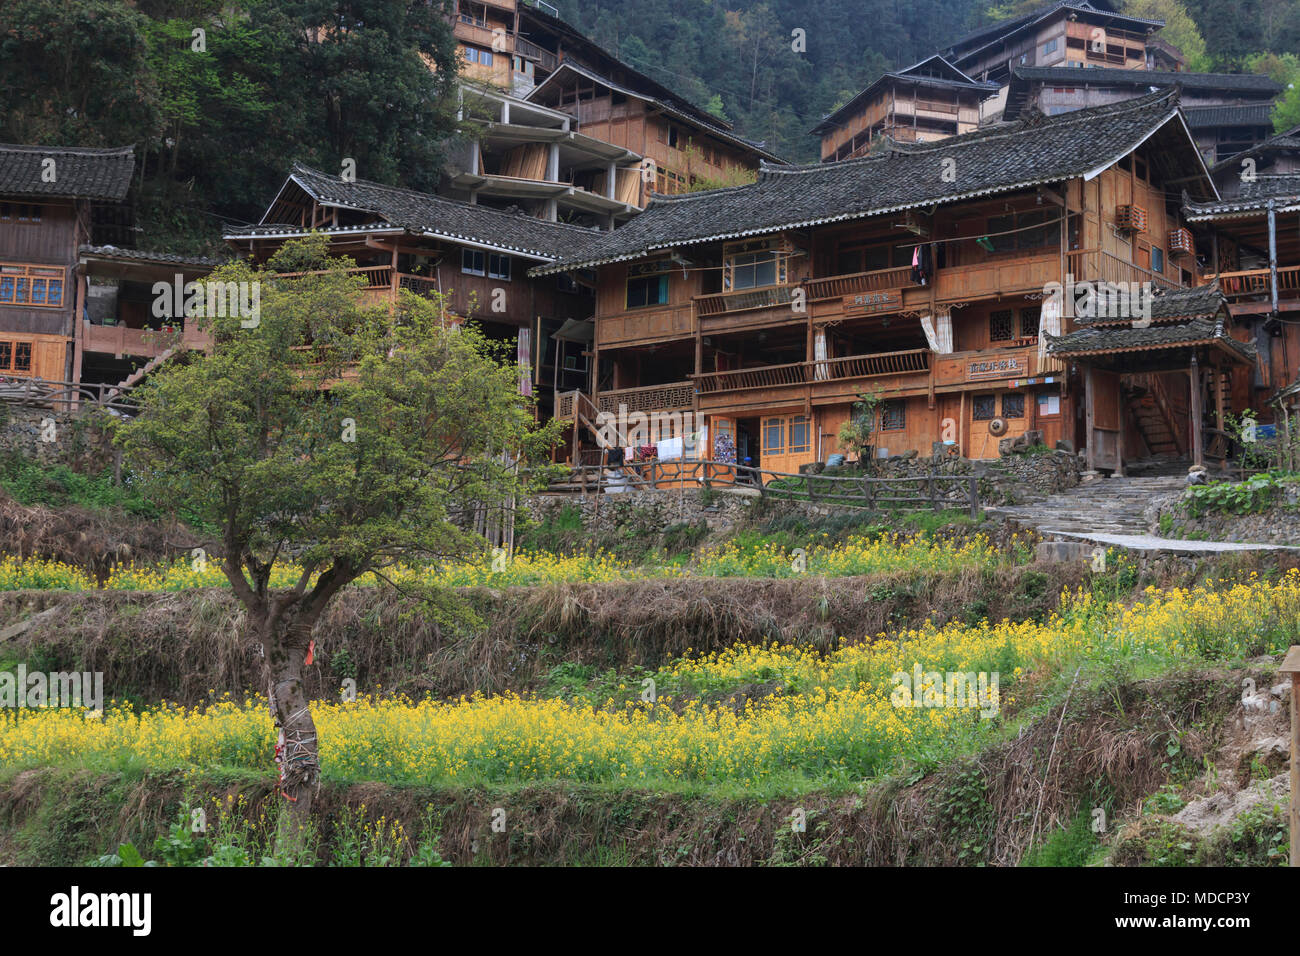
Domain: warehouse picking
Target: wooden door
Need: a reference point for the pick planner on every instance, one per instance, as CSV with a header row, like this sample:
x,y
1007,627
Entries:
x,y
786,442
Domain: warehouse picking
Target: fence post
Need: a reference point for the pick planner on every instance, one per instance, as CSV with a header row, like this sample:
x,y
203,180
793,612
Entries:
x,y
934,500
974,496
868,492
1291,666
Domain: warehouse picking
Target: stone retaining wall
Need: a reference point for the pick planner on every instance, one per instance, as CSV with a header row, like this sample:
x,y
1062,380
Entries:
x,y
54,438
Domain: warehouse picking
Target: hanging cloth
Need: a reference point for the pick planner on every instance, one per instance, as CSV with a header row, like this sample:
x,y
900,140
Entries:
x,y
821,372
1049,323
524,355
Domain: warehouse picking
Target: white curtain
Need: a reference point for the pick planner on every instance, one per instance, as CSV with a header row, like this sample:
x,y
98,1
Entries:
x,y
820,372
938,332
525,357
1049,323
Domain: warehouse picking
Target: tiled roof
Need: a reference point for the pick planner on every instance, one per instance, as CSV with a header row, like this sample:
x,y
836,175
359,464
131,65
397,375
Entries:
x,y
1176,305
423,214
1101,76
103,174
1250,114
998,159
989,34
1200,331
1283,189
143,255
693,115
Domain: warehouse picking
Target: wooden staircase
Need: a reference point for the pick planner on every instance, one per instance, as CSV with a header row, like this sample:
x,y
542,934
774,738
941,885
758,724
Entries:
x,y
1154,416
138,376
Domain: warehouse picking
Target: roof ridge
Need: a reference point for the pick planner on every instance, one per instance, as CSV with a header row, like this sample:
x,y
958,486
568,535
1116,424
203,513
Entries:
x,y
587,230
77,150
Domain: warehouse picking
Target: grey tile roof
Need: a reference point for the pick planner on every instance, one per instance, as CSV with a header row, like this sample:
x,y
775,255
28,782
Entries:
x,y
1175,305
1283,189
80,173
1249,114
1102,76
994,160
423,214
144,255
1199,331
681,110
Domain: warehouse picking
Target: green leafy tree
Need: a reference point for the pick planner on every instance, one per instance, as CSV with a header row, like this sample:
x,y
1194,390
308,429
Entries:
x,y
1179,29
334,439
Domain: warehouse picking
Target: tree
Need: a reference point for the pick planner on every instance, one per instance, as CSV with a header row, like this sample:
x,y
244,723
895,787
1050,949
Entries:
x,y
329,440
1179,29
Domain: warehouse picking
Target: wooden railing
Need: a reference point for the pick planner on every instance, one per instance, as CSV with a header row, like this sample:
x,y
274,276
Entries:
x,y
1098,265
716,302
1256,281
531,50
934,490
834,287
66,396
674,396
803,373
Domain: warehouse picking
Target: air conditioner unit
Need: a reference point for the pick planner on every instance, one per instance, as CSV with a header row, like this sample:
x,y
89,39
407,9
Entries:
x,y
1131,218
1180,243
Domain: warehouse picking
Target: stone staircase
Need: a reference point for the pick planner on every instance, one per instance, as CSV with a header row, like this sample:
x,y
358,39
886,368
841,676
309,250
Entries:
x,y
1099,506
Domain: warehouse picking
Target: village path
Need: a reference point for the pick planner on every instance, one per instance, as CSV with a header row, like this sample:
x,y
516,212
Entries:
x,y
1109,511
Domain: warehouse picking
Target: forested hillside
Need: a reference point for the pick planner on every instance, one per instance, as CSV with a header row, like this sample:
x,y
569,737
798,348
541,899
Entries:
x,y
217,119
737,54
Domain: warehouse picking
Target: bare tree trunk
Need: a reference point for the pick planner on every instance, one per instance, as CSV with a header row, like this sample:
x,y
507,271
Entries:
x,y
286,642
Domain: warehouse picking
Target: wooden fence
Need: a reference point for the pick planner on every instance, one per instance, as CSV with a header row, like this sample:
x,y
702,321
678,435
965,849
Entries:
x,y
935,490
66,396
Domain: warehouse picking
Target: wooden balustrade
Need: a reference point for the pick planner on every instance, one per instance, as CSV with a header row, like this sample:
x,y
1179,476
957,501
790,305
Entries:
x,y
648,398
835,287
1256,281
803,373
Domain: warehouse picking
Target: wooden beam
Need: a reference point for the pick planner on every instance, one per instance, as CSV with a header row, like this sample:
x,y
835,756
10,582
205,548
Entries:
x,y
1198,416
1089,434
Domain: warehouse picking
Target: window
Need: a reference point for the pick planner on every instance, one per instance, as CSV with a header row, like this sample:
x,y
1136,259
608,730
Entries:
x,y
1157,260
893,415
800,434
6,354
40,286
472,262
1049,403
1049,46
474,55
22,356
19,212
752,265
1000,326
499,267
774,436
647,284
983,408
669,183
1029,319
1017,231
1013,405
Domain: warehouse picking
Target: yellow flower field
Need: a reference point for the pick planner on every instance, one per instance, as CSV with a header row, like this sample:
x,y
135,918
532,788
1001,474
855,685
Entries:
x,y
855,556
834,717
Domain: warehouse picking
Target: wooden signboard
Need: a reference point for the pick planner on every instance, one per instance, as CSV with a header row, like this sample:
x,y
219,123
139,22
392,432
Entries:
x,y
871,303
1013,366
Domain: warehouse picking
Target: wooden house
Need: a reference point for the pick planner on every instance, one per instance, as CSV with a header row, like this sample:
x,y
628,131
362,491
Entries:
x,y
926,101
53,200
475,256
930,276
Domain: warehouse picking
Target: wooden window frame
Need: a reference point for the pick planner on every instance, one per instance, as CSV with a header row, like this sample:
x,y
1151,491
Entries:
x,y
13,212
1012,397
780,424
471,271
893,415
501,258
659,268
992,400
732,250
998,314
29,278
800,421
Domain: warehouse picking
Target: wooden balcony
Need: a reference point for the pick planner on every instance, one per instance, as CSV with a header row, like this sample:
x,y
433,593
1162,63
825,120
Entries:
x,y
674,396
642,326
121,341
1240,287
544,58
834,379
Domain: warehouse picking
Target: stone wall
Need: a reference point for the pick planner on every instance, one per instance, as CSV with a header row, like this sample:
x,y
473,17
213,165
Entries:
x,y
1170,517
54,438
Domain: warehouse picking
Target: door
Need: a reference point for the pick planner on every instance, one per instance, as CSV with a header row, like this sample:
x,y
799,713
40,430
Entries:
x,y
786,442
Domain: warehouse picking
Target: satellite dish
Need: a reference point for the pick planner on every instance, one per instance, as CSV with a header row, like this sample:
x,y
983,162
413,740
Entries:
x,y
998,426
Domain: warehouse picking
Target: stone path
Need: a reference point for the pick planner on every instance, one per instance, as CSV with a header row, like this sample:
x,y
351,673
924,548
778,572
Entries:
x,y
1109,511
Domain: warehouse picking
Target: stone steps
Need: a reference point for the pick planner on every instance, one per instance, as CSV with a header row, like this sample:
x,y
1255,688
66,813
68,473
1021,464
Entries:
x,y
1101,506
